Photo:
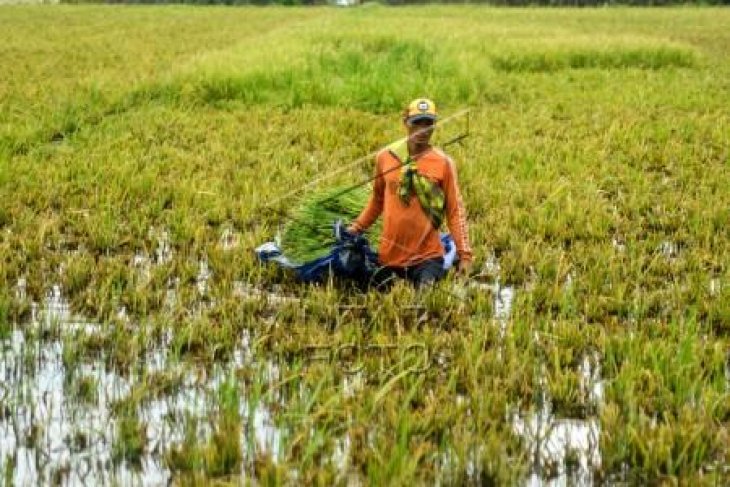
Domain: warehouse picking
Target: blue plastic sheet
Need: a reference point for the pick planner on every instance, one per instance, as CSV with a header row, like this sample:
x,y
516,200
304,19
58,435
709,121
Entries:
x,y
351,256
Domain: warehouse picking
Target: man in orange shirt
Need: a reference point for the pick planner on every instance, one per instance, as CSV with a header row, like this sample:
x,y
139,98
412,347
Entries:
x,y
415,185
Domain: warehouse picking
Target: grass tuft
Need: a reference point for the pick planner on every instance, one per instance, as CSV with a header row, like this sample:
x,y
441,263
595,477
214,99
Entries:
x,y
556,60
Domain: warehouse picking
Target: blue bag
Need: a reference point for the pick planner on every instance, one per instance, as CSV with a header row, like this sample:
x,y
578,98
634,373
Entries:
x,y
349,257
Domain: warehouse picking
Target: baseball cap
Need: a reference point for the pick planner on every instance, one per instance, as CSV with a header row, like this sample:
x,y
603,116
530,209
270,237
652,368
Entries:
x,y
419,109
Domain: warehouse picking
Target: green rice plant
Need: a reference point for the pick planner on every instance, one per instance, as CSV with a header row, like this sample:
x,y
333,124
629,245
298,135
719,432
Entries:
x,y
125,349
309,233
76,277
220,455
616,58
131,439
159,384
9,469
204,338
71,358
254,395
186,456
672,447
85,389
5,324
224,456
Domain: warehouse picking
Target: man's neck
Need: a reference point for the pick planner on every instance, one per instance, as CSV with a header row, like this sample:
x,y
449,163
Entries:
x,y
415,150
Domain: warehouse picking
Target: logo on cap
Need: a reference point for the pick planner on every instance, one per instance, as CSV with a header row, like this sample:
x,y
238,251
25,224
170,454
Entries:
x,y
423,106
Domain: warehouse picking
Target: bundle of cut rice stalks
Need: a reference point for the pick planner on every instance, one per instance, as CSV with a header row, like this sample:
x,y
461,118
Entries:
x,y
308,235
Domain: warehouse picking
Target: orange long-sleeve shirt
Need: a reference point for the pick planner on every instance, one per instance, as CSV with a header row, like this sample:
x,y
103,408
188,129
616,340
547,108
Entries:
x,y
408,236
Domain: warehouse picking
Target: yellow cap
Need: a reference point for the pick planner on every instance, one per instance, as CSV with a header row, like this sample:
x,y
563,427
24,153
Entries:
x,y
419,109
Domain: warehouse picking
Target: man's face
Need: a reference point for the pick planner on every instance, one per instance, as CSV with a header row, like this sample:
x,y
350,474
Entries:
x,y
420,131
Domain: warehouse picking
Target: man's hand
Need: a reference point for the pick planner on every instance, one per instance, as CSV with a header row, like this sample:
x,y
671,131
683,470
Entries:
x,y
463,267
342,232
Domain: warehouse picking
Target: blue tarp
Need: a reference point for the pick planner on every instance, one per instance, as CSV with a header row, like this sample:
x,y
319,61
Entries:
x,y
351,256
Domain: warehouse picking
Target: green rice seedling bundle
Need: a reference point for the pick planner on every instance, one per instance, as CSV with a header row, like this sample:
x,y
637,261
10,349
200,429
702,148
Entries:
x,y
308,235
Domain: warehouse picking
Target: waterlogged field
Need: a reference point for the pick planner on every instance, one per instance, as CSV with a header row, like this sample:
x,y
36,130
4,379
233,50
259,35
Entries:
x,y
145,152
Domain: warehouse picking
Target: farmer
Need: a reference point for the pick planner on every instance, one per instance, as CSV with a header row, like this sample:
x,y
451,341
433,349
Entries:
x,y
413,201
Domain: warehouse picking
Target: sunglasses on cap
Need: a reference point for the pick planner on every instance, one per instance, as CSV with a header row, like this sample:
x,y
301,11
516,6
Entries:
x,y
421,122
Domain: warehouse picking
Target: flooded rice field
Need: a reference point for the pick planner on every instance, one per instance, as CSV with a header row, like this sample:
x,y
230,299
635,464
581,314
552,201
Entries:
x,y
61,413
61,420
133,403
145,152
74,418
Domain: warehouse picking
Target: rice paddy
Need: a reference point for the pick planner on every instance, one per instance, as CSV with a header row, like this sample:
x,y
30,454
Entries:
x,y
146,151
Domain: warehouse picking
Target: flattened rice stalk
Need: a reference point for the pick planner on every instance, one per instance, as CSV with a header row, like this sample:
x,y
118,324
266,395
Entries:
x,y
308,234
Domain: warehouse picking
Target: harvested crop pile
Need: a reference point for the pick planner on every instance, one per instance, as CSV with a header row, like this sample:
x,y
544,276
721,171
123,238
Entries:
x,y
308,235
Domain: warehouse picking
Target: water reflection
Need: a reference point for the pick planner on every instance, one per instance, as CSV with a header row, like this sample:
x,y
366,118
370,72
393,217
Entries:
x,y
229,239
50,432
204,275
163,251
563,451
56,307
503,303
47,432
20,289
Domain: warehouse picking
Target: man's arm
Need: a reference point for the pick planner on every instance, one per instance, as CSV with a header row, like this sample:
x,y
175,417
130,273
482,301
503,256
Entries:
x,y
456,215
375,205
